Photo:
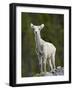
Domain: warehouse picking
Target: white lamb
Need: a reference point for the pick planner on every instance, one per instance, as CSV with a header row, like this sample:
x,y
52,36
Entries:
x,y
45,50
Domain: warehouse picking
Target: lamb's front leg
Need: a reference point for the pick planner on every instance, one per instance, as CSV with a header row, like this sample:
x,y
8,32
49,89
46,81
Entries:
x,y
40,64
41,67
45,65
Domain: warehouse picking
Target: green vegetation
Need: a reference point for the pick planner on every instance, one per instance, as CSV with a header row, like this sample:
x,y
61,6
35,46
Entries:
x,y
52,32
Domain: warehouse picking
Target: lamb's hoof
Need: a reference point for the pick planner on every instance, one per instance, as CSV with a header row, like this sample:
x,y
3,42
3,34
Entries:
x,y
55,69
52,71
42,73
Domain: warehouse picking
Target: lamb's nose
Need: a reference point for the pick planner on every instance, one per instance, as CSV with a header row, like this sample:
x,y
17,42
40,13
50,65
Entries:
x,y
36,32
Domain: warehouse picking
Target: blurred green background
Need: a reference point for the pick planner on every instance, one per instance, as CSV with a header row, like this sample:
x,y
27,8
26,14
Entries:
x,y
53,32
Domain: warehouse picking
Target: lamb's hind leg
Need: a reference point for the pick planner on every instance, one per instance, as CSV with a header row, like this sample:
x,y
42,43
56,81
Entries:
x,y
50,63
53,61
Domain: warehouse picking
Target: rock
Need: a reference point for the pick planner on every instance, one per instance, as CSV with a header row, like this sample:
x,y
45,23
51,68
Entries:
x,y
59,71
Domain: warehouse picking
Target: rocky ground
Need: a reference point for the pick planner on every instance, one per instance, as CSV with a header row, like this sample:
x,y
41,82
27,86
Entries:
x,y
57,72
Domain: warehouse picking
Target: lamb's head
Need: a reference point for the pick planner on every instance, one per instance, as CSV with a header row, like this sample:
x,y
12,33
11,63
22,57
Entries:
x,y
37,29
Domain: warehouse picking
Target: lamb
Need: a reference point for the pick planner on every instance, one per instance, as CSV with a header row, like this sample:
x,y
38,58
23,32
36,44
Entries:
x,y
45,50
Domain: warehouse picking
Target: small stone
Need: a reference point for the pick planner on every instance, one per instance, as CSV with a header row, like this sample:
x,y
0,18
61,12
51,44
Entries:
x,y
58,67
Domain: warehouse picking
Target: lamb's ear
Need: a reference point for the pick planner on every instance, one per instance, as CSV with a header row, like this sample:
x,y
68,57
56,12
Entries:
x,y
32,26
42,25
